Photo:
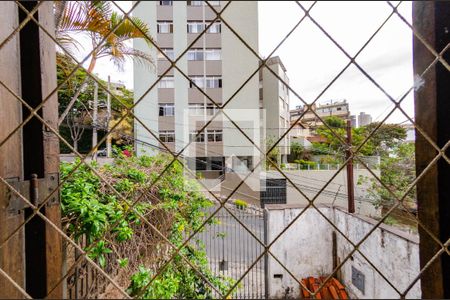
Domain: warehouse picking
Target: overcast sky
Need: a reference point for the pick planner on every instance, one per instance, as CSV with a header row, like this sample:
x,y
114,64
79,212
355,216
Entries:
x,y
312,60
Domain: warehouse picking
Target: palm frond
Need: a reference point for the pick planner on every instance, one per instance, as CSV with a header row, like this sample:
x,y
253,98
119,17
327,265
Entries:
x,y
68,43
129,29
85,16
119,56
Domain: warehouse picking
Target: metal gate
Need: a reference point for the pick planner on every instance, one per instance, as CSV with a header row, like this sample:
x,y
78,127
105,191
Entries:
x,y
232,250
273,191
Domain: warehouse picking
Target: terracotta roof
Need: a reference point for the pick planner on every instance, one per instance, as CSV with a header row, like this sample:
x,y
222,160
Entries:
x,y
333,289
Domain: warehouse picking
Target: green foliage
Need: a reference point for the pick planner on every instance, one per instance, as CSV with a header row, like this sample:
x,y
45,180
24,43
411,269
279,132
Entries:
x,y
178,280
90,208
386,137
305,163
240,204
273,154
64,67
335,122
296,150
397,173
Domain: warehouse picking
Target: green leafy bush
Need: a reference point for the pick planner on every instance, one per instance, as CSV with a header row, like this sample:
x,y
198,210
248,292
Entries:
x,y
240,204
120,237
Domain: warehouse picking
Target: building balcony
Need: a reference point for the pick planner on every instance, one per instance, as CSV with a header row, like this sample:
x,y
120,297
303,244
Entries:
x,y
212,40
164,12
195,96
200,67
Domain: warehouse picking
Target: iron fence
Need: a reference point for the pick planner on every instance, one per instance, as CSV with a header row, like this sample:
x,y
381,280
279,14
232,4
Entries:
x,y
231,250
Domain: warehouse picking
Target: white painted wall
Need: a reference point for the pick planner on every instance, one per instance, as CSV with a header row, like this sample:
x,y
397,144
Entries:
x,y
306,250
238,64
180,82
144,76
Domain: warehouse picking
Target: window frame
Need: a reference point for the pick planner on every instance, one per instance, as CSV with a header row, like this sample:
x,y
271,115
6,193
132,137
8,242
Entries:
x,y
194,108
199,25
167,136
165,79
198,139
161,3
159,26
214,136
164,108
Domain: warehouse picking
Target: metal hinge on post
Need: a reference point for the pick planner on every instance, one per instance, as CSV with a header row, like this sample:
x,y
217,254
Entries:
x,y
36,190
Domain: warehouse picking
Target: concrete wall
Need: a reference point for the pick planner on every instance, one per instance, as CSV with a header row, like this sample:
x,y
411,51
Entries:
x,y
311,181
306,250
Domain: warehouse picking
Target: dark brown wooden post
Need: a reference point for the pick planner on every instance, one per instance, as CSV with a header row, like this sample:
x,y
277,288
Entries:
x,y
350,183
432,113
33,257
12,256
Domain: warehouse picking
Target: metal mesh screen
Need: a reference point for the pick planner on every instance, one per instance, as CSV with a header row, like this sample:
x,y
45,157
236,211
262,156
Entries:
x,y
87,276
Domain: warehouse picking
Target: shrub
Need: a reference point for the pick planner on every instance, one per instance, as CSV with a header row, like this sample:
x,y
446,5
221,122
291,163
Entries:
x,y
119,238
240,204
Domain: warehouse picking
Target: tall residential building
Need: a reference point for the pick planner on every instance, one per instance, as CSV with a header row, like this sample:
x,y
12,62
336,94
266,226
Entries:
x,y
364,119
353,121
274,95
218,63
333,108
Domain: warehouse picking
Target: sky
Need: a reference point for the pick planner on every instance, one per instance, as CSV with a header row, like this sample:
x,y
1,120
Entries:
x,y
313,61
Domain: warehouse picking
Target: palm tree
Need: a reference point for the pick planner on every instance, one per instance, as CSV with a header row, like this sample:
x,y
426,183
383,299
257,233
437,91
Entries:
x,y
96,19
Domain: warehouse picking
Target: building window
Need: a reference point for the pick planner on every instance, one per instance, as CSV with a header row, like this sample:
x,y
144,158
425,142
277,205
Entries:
x,y
213,54
165,3
200,3
195,54
200,54
198,80
195,27
166,83
281,106
164,27
215,135
195,3
217,163
339,108
166,109
211,109
213,82
196,109
214,3
193,137
167,136
201,163
215,28
168,52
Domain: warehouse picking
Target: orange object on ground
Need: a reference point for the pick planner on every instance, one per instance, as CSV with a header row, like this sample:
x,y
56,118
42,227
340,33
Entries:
x,y
332,289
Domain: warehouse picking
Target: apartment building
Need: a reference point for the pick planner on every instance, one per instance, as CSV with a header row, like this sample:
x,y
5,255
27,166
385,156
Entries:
x,y
364,119
274,97
216,64
333,108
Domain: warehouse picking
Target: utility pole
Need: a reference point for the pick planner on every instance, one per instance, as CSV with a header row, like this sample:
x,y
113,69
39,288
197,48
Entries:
x,y
95,121
108,119
350,184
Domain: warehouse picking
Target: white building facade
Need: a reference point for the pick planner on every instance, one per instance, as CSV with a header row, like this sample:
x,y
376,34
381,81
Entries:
x,y
218,63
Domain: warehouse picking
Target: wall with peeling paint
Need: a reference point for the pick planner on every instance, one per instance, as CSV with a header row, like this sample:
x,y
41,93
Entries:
x,y
305,249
